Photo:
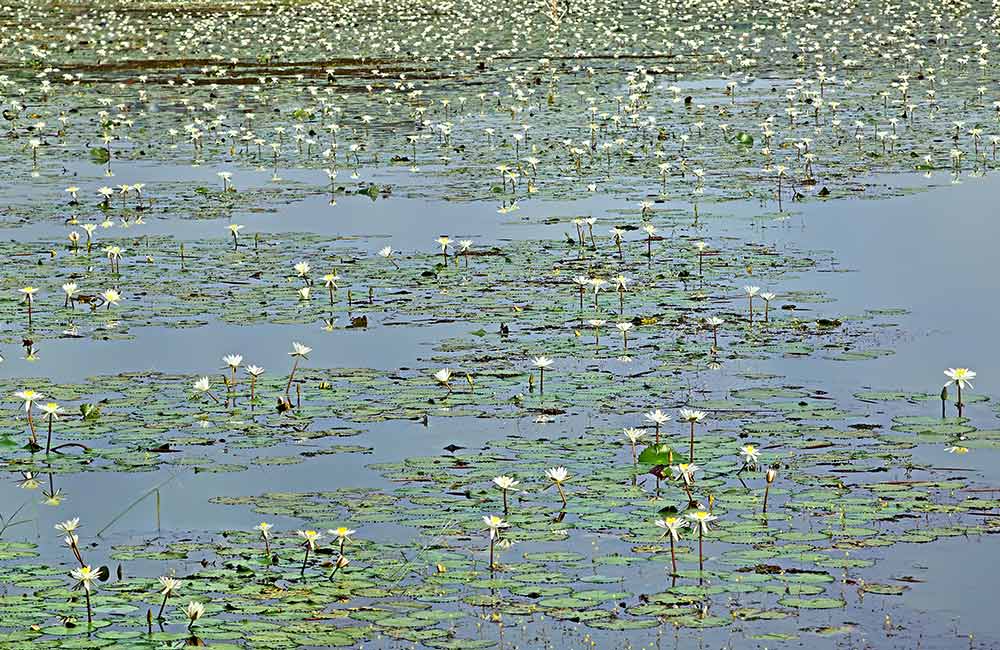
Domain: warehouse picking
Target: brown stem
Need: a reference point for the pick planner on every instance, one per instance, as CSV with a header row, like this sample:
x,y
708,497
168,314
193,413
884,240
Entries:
x,y
701,554
304,560
291,375
159,615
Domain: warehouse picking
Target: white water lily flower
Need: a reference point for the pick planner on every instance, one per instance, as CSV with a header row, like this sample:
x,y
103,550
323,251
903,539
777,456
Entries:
x,y
494,524
672,526
750,455
85,576
505,482
691,415
169,586
634,435
194,611
341,533
701,519
657,417
685,472
310,538
68,526
557,475
961,376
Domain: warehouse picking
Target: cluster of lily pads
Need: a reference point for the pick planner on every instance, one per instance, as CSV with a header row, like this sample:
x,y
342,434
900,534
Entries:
x,y
762,511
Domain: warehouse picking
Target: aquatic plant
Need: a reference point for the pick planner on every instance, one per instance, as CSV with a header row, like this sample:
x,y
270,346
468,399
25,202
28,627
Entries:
x,y
169,586
657,418
960,377
265,535
85,577
194,611
309,541
494,525
672,530
298,353
701,519
443,377
558,476
692,417
506,484
543,363
52,410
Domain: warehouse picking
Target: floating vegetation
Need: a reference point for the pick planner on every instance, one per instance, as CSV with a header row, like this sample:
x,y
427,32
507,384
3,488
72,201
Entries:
x,y
511,341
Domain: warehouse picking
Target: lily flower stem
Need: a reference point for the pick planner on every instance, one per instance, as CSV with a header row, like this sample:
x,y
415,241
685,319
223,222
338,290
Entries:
x,y
159,615
541,380
767,489
701,551
48,442
691,454
505,509
492,544
562,495
673,555
90,616
305,559
267,547
291,375
31,427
